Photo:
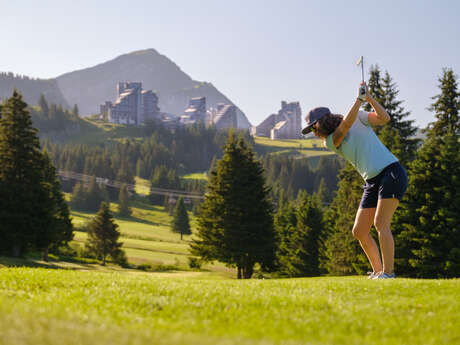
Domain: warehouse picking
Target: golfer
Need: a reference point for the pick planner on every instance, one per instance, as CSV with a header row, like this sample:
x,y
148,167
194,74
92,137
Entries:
x,y
352,138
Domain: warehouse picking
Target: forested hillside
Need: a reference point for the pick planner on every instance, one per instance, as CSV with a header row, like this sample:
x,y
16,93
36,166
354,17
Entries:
x,y
31,89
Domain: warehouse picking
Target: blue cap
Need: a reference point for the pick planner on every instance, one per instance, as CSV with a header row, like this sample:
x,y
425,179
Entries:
x,y
314,115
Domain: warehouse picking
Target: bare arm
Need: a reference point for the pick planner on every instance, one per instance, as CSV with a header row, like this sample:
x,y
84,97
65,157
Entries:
x,y
342,130
380,116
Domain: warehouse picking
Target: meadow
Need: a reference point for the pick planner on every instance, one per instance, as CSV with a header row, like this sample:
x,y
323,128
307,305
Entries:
x,y
56,306
146,235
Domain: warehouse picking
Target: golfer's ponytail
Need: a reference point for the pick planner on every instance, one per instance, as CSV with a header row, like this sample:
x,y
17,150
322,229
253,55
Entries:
x,y
328,124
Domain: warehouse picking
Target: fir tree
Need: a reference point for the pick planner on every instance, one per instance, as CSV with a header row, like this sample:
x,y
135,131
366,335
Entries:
x,y
299,227
75,111
342,253
59,230
103,235
375,86
446,106
397,134
428,238
23,198
427,232
235,222
78,197
95,196
180,222
43,106
124,208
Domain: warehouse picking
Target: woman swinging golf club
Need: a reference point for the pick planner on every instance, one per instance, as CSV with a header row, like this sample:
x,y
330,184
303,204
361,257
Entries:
x,y
352,137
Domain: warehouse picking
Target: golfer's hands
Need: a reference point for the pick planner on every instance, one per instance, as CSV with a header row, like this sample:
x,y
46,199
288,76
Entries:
x,y
362,92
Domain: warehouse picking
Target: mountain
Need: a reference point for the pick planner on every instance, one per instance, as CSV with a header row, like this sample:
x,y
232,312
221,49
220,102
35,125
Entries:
x,y
31,89
93,86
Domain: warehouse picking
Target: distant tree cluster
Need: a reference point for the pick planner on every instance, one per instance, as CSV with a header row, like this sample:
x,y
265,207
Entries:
x,y
52,118
33,213
88,198
31,88
287,176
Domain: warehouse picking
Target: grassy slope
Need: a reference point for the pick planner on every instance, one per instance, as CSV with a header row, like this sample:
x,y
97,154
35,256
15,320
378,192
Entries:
x,y
296,147
147,237
39,306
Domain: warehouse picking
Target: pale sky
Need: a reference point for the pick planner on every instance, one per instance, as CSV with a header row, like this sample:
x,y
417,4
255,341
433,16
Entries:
x,y
256,52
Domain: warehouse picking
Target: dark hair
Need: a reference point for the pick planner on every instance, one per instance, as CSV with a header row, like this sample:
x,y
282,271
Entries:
x,y
328,124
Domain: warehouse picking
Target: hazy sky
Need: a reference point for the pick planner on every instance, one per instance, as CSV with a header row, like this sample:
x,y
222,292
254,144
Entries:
x,y
256,52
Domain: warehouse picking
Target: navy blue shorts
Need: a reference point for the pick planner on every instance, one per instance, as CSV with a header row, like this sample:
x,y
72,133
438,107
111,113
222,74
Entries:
x,y
390,183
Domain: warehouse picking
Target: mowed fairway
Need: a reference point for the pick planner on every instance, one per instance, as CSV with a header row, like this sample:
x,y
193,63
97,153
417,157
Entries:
x,y
39,306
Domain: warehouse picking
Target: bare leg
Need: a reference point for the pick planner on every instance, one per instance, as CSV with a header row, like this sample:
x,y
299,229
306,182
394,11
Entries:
x,y
385,210
361,229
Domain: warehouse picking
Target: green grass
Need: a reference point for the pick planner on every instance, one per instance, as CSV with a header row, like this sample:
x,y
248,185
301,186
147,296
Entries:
x,y
196,176
39,306
299,148
147,237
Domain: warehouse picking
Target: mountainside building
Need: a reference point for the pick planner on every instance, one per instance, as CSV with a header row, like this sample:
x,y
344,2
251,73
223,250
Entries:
x,y
133,105
223,117
286,124
195,112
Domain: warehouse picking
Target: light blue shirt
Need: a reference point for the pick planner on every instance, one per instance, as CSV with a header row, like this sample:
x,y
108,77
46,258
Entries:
x,y
363,149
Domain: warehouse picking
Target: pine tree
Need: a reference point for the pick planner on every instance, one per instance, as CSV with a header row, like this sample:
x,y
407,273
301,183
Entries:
x,y
95,196
374,86
43,106
299,226
103,235
342,253
235,222
78,197
180,222
59,230
75,111
397,134
428,226
447,105
23,197
322,194
428,242
124,208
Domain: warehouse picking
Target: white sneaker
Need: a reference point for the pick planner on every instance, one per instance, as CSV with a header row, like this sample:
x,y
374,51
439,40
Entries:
x,y
371,275
383,275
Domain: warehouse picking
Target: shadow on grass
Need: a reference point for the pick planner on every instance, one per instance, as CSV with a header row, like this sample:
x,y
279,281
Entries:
x,y
51,264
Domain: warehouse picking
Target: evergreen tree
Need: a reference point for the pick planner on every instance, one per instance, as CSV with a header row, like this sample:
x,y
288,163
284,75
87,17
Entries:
x,y
95,196
299,227
78,197
59,230
180,222
43,105
397,134
124,208
322,194
374,86
446,106
103,235
342,253
235,222
23,196
428,227
75,111
428,236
